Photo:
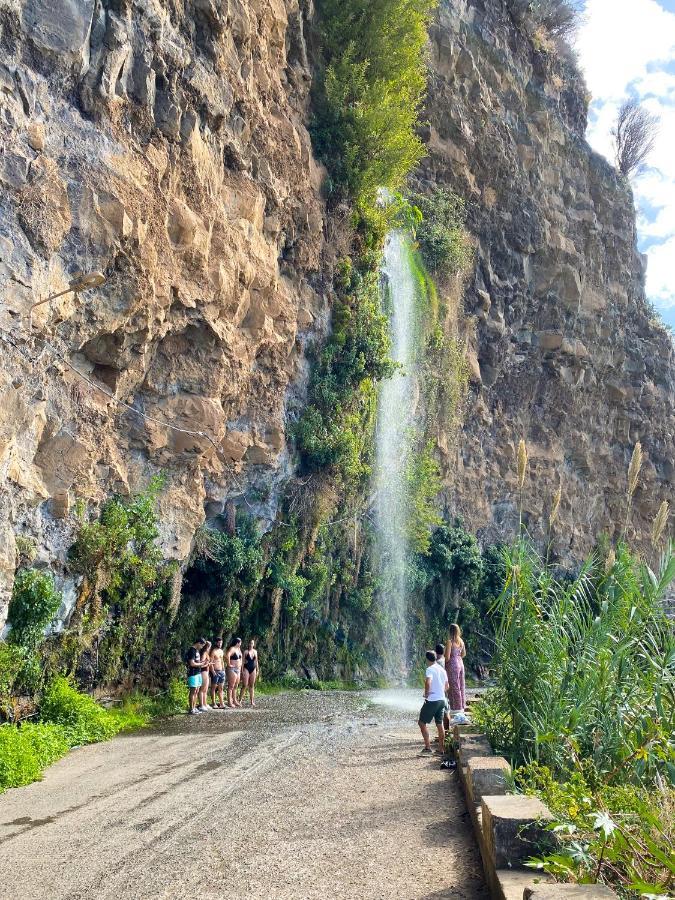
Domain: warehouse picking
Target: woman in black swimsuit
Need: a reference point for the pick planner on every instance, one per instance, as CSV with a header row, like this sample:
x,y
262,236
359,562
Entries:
x,y
233,671
250,673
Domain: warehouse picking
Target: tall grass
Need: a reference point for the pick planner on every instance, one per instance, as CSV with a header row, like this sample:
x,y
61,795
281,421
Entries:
x,y
586,666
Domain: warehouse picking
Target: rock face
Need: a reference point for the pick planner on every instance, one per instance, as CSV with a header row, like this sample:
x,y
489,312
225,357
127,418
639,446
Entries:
x,y
568,355
164,145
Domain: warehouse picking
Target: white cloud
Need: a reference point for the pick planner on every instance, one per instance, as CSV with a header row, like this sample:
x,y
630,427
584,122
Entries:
x,y
626,48
660,282
619,40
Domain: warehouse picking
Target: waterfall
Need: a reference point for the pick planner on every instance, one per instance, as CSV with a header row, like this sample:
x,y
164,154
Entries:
x,y
394,426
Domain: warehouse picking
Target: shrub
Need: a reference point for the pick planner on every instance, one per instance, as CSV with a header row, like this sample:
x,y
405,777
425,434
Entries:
x,y
634,136
367,102
27,749
423,483
125,580
442,238
333,430
35,602
12,660
84,721
621,835
585,666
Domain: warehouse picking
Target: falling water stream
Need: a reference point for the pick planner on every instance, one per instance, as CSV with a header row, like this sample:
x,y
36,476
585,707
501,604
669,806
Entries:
x,y
395,417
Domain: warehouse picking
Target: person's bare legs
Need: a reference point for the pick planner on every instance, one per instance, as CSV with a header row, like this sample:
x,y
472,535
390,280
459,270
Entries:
x,y
231,688
441,736
245,675
192,698
221,694
252,678
425,735
203,691
234,692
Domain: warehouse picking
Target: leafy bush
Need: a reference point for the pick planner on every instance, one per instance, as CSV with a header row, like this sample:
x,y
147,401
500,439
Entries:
x,y
12,660
369,95
83,720
125,581
423,483
27,749
225,573
35,602
621,835
442,238
558,18
333,429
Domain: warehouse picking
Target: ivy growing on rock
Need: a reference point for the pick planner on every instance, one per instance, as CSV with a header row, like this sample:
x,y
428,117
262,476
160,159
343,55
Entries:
x,y
126,585
334,429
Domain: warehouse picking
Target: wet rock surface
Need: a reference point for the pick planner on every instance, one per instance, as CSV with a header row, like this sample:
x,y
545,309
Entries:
x,y
312,795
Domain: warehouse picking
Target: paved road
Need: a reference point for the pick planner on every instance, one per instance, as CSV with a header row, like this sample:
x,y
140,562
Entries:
x,y
312,795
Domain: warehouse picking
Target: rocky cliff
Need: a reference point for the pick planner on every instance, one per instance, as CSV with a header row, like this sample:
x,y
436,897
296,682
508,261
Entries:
x,y
165,145
565,352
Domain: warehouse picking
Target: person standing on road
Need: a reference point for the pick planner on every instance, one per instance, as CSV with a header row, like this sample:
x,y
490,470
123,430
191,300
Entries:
x,y
435,689
250,672
218,674
193,661
204,687
455,651
233,671
440,661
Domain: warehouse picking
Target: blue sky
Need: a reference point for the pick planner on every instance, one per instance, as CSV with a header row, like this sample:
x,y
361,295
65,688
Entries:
x,y
627,49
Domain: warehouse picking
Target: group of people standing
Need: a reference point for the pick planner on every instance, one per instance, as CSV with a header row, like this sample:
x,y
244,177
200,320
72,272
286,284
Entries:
x,y
211,669
444,688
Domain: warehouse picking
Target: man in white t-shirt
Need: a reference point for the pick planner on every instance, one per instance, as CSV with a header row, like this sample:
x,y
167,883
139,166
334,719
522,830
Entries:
x,y
435,689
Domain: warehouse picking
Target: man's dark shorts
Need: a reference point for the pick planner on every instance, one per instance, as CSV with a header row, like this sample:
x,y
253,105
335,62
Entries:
x,y
432,709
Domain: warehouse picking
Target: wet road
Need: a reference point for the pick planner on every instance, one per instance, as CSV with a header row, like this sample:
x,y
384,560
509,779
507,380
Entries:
x,y
312,795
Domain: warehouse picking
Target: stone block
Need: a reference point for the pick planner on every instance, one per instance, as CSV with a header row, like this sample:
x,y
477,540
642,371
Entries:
x,y
568,892
514,828
473,745
486,776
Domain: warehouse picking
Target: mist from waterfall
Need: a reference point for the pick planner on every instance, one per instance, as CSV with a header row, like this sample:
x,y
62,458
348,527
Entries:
x,y
394,426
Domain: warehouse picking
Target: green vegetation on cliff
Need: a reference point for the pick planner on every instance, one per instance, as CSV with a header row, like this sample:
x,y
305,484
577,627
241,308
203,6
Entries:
x,y
370,92
585,704
335,428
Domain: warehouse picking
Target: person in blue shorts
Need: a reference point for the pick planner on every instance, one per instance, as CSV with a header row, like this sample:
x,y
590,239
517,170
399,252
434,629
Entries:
x,y
193,661
435,689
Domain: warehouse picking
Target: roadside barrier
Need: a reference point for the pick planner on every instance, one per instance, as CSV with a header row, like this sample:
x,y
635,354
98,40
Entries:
x,y
509,828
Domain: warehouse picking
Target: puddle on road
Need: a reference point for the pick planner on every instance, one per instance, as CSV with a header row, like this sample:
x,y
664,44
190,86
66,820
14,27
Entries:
x,y
399,698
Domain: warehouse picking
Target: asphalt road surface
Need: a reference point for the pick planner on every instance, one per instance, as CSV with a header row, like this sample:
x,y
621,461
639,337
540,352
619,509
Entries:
x,y
311,795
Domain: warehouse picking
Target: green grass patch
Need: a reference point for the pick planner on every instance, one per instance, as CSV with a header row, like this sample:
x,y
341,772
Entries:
x,y
70,719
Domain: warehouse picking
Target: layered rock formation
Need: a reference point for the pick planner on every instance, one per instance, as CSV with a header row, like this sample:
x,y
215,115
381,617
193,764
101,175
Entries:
x,y
565,351
165,145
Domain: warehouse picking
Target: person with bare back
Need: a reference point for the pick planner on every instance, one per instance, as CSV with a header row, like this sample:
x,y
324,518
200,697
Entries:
x,y
204,687
233,671
455,651
250,672
218,674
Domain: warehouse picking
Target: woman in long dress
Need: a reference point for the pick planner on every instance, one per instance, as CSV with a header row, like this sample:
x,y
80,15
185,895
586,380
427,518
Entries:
x,y
455,651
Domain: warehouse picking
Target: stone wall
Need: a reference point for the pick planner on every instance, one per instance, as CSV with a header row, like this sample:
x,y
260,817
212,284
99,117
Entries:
x,y
164,144
564,350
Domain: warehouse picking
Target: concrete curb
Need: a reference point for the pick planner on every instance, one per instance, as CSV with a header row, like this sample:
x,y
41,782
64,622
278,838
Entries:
x,y
507,826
